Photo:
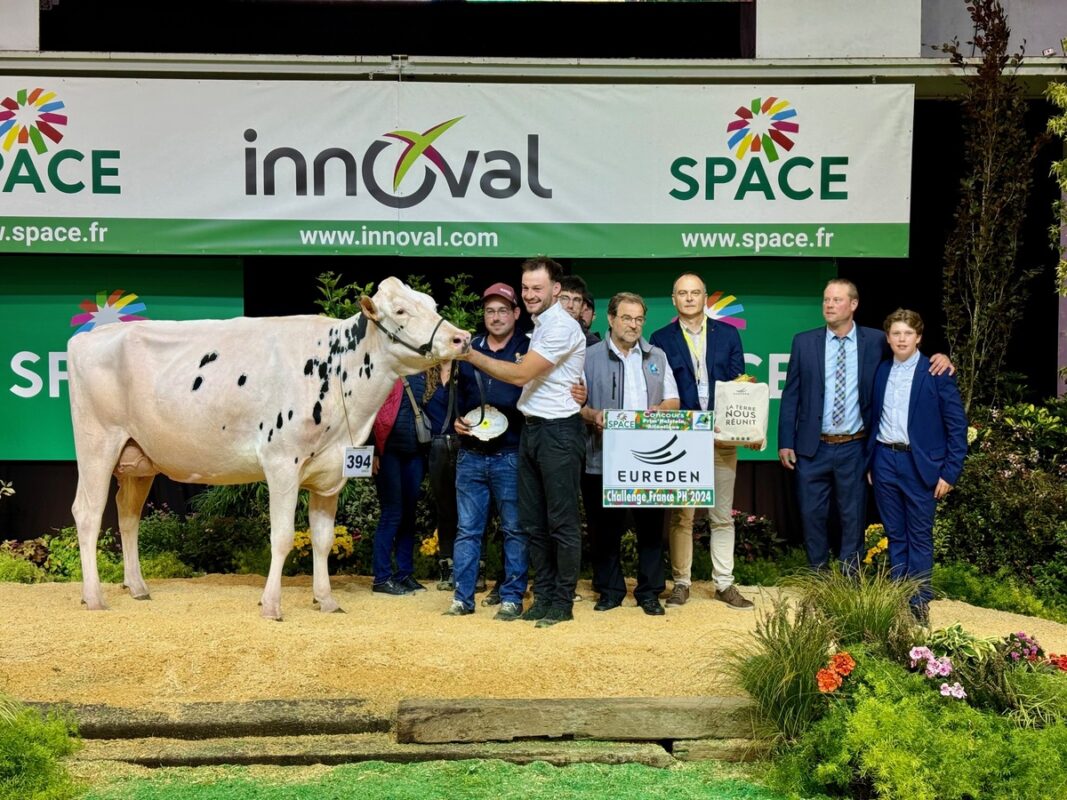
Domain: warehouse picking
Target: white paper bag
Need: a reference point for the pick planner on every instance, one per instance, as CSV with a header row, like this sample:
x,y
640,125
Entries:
x,y
741,411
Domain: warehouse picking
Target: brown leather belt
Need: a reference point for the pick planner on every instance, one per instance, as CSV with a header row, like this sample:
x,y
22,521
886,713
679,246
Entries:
x,y
841,438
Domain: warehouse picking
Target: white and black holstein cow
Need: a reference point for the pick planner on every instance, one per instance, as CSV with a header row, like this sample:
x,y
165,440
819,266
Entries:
x,y
236,401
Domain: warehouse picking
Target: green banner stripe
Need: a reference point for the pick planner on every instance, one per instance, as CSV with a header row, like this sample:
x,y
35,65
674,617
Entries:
x,y
577,240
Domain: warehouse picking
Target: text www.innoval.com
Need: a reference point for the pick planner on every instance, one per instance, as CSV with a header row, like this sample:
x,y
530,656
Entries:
x,y
386,237
756,241
29,235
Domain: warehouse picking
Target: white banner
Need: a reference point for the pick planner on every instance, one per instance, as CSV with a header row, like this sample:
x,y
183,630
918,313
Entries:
x,y
489,169
658,458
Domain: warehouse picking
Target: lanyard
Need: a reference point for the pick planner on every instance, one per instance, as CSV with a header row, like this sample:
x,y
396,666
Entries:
x,y
698,354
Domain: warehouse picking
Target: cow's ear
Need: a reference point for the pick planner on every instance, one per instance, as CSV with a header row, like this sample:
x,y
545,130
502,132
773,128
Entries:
x,y
367,304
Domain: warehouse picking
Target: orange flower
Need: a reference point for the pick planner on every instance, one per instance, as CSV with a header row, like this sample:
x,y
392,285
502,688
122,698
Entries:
x,y
828,680
842,663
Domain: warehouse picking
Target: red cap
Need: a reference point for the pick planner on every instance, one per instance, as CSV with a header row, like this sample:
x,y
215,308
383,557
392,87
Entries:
x,y
501,290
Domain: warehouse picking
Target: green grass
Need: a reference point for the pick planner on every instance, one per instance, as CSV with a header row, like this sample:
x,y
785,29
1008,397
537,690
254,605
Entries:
x,y
1002,592
447,780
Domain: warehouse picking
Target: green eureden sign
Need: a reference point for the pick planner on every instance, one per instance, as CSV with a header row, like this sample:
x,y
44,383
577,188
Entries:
x,y
45,301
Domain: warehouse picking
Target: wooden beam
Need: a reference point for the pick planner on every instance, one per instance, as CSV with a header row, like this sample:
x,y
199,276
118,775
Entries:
x,y
638,719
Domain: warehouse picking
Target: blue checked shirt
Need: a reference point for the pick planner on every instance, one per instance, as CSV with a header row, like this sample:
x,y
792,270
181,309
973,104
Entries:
x,y
852,422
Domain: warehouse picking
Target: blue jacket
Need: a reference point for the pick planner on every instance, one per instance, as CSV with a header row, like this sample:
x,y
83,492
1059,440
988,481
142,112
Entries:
x,y
723,353
499,394
801,409
937,423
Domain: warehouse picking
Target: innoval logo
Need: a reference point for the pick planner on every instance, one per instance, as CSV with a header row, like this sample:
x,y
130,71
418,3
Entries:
x,y
30,117
762,126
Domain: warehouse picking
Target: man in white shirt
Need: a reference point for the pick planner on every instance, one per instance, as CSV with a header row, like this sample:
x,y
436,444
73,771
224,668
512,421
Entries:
x,y
623,372
552,443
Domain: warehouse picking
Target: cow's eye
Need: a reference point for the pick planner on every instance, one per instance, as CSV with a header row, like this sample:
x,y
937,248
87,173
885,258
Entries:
x,y
400,312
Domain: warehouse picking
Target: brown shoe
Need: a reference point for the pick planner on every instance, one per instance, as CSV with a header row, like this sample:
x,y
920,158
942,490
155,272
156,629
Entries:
x,y
734,599
679,596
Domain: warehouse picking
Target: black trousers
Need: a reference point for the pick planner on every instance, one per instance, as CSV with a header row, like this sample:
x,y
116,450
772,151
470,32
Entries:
x,y
550,470
442,476
606,527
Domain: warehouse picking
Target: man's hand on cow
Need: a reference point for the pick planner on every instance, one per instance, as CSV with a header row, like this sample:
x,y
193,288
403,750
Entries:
x,y
461,426
939,365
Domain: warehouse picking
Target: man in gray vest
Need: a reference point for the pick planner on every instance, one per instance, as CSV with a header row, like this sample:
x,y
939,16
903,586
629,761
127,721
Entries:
x,y
623,372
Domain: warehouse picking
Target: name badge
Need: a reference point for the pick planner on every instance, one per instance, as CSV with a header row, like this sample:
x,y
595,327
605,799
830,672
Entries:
x,y
358,462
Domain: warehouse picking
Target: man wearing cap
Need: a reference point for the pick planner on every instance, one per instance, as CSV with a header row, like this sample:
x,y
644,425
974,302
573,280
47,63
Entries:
x,y
487,466
552,441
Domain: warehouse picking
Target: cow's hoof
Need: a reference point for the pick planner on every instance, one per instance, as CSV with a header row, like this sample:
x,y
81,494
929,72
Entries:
x,y
94,605
268,613
330,606
145,596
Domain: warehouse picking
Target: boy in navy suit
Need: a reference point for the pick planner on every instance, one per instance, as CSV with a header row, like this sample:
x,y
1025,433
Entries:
x,y
916,454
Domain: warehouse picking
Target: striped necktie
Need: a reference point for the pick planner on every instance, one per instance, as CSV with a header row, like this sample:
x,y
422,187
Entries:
x,y
837,414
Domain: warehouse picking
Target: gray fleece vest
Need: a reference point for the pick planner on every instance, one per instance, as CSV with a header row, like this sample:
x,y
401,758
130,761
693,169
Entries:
x,y
604,380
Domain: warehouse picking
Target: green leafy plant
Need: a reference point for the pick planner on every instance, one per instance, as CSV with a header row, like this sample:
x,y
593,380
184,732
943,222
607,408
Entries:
x,y
64,557
18,570
464,306
866,606
32,749
985,288
1006,511
1002,591
338,300
958,644
1057,125
791,646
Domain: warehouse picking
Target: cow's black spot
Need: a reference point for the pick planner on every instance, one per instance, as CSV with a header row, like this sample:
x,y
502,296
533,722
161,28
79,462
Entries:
x,y
361,372
207,359
366,358
270,434
224,427
323,370
338,370
241,380
290,413
344,376
261,426
309,366
197,382
328,428
312,454
296,460
317,414
279,420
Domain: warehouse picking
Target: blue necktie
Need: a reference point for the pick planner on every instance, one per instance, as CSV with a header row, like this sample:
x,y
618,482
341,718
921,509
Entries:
x,y
837,414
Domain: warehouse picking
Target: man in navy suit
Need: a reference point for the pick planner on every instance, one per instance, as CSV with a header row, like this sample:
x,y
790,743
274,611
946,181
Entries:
x,y
701,351
824,417
916,454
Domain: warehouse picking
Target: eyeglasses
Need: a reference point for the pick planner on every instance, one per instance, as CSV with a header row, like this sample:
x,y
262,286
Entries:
x,y
569,299
628,320
690,293
498,312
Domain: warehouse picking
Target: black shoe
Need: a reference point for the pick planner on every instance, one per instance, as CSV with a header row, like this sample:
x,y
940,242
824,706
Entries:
x,y
447,581
554,616
411,584
536,612
493,598
652,607
388,587
604,604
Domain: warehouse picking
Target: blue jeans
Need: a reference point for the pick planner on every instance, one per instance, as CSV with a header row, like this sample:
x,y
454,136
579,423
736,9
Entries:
x,y
398,480
480,477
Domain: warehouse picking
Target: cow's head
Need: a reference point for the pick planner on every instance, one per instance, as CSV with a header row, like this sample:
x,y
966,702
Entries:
x,y
415,334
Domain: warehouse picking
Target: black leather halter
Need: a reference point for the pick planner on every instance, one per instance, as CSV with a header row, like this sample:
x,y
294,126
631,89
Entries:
x,y
423,349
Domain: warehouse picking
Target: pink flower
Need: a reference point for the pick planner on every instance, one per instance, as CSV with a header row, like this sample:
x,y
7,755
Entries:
x,y
955,690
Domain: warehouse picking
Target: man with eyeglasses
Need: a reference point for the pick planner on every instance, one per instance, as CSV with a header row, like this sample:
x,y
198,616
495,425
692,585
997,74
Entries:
x,y
701,351
623,372
572,294
487,468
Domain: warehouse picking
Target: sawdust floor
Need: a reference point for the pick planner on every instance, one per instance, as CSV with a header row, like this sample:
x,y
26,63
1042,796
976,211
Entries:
x,y
202,640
